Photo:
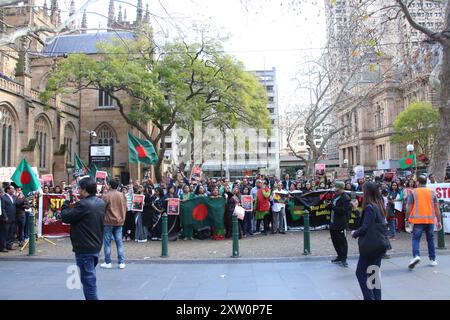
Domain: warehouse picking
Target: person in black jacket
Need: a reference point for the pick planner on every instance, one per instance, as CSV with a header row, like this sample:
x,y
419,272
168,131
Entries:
x,y
8,219
340,213
86,219
374,212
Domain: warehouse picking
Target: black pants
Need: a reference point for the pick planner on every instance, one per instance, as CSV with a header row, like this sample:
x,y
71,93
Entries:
x,y
11,235
339,239
129,225
367,266
3,235
266,223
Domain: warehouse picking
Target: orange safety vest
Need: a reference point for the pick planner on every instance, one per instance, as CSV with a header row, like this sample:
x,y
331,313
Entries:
x,y
422,211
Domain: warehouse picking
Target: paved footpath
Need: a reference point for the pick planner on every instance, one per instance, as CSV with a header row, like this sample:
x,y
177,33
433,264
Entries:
x,y
239,280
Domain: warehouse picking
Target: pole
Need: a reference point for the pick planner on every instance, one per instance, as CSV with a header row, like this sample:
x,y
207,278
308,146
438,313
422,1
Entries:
x,y
165,236
31,235
441,233
235,237
306,234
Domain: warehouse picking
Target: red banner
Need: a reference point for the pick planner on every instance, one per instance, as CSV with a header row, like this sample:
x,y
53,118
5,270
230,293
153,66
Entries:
x,y
52,225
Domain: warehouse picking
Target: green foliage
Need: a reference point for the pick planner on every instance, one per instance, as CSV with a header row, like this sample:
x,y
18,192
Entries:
x,y
185,83
418,124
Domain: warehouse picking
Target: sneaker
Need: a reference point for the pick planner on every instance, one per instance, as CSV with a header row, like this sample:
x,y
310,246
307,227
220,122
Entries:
x,y
337,260
122,266
433,263
105,265
154,239
414,262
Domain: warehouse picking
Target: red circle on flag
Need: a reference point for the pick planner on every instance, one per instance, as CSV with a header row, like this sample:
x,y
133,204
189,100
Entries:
x,y
141,151
200,212
409,162
25,178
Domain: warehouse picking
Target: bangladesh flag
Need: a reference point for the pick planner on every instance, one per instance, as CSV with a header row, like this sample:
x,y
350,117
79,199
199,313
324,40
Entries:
x,y
92,173
25,178
408,162
141,151
80,168
203,212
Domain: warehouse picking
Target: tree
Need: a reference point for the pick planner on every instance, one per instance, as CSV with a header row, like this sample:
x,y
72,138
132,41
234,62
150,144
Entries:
x,y
440,156
418,125
164,86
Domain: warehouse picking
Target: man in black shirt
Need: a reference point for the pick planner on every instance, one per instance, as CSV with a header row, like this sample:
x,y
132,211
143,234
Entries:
x,y
340,213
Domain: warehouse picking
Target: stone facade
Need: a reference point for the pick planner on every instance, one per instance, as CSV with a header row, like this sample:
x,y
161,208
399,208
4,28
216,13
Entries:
x,y
46,136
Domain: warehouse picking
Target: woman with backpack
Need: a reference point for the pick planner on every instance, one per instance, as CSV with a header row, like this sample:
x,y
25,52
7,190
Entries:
x,y
373,242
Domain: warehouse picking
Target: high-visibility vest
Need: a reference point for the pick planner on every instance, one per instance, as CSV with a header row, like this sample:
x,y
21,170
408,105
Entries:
x,y
422,211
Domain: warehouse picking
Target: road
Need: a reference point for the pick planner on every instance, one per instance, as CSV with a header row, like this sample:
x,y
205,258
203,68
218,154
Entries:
x,y
275,280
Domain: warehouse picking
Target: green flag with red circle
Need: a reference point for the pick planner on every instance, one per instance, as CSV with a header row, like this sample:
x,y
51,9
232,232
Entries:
x,y
408,162
25,178
203,212
141,151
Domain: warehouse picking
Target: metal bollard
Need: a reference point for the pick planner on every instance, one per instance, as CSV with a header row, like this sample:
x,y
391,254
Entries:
x,y
306,234
441,234
165,236
235,237
31,236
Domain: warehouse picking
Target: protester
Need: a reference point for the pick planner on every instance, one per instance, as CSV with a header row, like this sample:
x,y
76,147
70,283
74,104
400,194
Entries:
x,y
262,206
116,211
129,225
141,230
340,213
188,232
157,211
278,209
248,220
86,219
9,211
373,212
421,211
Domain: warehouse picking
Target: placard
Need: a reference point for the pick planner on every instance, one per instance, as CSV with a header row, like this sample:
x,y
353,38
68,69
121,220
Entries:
x,y
320,169
50,217
138,202
173,206
247,202
47,180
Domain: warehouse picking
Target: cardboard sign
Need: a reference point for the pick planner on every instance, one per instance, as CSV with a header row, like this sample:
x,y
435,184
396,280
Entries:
x,y
138,202
320,169
47,180
173,207
247,202
359,172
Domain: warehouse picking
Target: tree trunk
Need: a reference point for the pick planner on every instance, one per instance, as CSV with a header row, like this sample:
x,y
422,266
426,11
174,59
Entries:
x,y
442,143
158,171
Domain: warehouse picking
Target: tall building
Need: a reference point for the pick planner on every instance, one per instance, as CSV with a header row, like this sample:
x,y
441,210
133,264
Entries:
x,y
238,153
397,74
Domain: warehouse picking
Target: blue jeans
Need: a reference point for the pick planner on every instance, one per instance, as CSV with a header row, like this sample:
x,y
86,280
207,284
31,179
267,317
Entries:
x,y
110,233
391,224
248,219
364,263
87,263
417,234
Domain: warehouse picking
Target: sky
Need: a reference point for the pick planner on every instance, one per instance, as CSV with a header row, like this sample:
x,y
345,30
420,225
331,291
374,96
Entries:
x,y
261,33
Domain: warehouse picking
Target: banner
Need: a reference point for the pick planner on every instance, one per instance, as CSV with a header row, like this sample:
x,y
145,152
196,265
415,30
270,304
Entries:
x,y
318,204
442,191
247,202
50,216
320,169
173,207
138,202
47,180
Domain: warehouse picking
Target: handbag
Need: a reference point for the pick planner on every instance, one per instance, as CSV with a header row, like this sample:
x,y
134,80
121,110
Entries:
x,y
375,241
239,212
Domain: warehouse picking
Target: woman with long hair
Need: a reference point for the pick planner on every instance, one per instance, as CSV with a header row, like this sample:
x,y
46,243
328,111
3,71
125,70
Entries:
x,y
374,212
141,231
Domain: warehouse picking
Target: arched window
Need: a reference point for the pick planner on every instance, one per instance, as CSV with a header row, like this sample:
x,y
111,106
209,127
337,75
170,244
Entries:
x,y
70,141
106,136
42,130
7,136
